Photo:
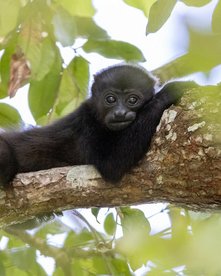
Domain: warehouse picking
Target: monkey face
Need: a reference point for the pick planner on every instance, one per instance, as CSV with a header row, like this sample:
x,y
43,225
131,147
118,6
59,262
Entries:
x,y
119,108
118,93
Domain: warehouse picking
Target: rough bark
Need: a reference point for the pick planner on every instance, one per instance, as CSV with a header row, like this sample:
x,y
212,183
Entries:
x,y
182,167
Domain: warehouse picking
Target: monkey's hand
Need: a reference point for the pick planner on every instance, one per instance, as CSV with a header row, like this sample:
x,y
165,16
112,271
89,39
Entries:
x,y
172,92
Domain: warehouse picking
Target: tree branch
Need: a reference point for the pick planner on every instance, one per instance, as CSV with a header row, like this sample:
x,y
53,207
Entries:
x,y
182,167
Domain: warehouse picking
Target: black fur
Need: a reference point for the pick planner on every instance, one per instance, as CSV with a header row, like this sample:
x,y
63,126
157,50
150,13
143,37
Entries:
x,y
83,137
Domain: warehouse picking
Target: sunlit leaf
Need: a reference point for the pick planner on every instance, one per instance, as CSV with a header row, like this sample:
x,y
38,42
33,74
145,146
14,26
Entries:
x,y
95,266
41,56
203,55
114,49
43,93
68,107
73,88
87,28
159,13
2,269
121,265
5,66
202,46
78,8
179,225
142,5
9,12
207,245
13,241
59,272
77,268
99,267
110,224
134,218
216,19
9,116
196,3
135,238
25,260
64,27
81,239
53,227
37,47
3,91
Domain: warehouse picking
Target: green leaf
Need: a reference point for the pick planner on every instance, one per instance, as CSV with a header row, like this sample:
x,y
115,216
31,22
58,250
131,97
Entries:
x,y
9,11
9,116
80,71
3,91
95,211
26,260
82,239
121,266
43,93
114,49
13,242
134,220
5,71
64,27
135,240
99,267
216,19
78,8
49,224
196,3
142,5
87,28
40,53
2,269
5,66
159,13
73,88
201,46
59,272
110,224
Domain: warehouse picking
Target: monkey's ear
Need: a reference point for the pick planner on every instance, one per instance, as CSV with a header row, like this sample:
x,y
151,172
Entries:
x,y
96,77
94,88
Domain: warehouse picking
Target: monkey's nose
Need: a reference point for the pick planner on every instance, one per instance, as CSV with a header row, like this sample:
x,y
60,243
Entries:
x,y
120,114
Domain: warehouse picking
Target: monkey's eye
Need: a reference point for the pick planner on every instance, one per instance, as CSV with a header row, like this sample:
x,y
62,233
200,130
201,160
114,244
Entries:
x,y
132,100
110,99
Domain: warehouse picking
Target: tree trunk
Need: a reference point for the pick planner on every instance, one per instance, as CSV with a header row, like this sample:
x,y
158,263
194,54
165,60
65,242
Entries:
x,y
182,167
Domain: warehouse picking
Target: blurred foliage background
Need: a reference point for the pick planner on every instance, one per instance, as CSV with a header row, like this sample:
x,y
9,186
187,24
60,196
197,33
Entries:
x,y
36,36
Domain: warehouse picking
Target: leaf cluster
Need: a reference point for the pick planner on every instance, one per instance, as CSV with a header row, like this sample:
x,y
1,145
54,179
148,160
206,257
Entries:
x,y
182,246
32,34
203,52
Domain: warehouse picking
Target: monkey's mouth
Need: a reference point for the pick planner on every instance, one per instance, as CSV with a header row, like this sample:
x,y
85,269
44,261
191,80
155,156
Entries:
x,y
118,125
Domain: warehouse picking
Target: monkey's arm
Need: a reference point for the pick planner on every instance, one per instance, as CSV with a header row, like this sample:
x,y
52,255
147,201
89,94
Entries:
x,y
172,92
36,149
